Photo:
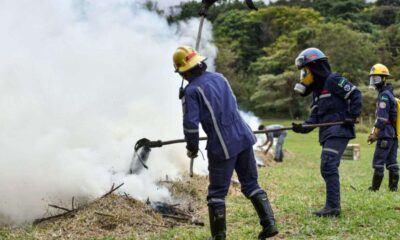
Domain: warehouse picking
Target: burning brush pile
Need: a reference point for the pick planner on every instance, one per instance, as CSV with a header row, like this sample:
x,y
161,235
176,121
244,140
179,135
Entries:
x,y
121,216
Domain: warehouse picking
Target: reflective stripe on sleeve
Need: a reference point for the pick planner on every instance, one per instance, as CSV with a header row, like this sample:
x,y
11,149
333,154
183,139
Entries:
x,y
351,90
325,95
217,130
313,107
191,130
383,119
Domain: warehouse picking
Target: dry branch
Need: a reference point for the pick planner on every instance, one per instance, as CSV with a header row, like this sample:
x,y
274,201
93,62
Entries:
x,y
73,210
112,190
105,214
40,220
61,208
186,219
190,219
73,203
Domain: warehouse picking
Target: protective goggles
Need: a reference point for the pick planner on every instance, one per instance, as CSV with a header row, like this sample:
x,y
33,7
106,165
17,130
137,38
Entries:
x,y
300,61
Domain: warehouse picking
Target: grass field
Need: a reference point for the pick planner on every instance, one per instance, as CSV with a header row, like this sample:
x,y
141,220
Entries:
x,y
296,188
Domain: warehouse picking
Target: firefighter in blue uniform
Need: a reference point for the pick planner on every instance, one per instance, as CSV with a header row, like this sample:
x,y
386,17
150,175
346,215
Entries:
x,y
384,131
209,100
334,99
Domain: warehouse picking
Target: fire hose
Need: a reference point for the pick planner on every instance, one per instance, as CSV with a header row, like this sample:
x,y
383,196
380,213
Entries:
x,y
143,146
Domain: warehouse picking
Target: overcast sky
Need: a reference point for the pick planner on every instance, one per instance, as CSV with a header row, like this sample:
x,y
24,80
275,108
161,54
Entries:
x,y
167,3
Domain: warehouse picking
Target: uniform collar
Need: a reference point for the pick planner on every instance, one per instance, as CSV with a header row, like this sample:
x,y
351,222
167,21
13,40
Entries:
x,y
386,87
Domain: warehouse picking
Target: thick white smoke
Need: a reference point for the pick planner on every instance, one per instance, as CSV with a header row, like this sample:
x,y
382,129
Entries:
x,y
80,82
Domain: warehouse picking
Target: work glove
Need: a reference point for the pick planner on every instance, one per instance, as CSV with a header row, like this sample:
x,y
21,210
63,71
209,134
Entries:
x,y
373,136
298,128
192,154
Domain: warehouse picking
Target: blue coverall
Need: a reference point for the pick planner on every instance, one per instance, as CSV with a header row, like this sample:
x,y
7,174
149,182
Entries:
x,y
338,100
210,101
387,144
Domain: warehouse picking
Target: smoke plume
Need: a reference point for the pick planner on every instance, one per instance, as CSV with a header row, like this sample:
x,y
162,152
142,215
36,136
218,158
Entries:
x,y
80,82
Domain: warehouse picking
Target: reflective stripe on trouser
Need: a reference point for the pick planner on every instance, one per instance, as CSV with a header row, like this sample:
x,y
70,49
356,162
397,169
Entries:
x,y
332,152
220,174
385,156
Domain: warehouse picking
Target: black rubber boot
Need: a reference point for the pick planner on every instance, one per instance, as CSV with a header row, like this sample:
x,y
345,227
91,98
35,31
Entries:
x,y
328,212
393,181
266,215
217,223
376,182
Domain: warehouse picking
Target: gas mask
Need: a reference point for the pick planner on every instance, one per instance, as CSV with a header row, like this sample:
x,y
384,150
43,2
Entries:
x,y
306,80
376,81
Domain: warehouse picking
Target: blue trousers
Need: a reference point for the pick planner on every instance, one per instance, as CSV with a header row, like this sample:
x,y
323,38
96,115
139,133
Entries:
x,y
385,154
332,151
279,146
220,174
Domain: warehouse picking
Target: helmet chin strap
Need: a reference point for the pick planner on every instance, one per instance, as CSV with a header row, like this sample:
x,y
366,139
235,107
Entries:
x,y
181,91
189,76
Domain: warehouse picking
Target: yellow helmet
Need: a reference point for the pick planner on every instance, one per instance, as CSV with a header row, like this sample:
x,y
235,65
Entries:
x,y
379,69
185,58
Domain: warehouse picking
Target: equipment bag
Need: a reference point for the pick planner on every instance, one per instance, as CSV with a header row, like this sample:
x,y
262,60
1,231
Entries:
x,y
398,116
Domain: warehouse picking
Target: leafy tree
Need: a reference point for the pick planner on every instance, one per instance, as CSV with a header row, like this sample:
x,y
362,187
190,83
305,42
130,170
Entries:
x,y
345,9
243,34
280,98
256,49
369,99
390,49
349,52
293,3
247,33
337,9
387,3
153,6
385,15
240,32
186,10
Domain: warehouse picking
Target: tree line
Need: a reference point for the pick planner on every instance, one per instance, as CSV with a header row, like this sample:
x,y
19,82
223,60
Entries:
x,y
256,49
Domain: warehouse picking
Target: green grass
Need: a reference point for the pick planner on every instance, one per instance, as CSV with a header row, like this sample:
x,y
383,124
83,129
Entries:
x,y
296,189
